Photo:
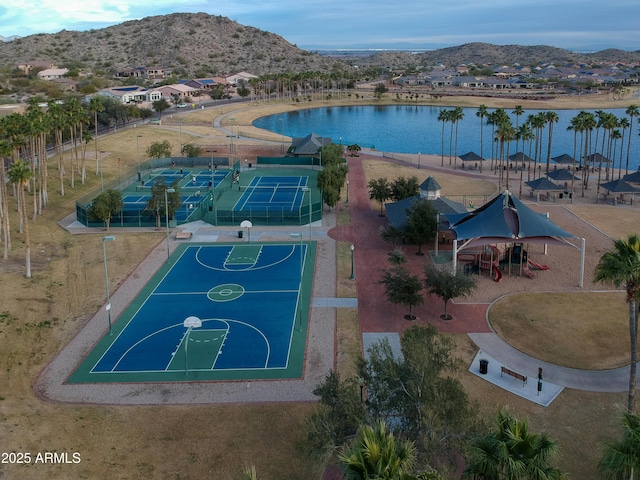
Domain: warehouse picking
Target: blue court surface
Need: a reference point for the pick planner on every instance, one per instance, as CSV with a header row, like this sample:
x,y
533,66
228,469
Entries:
x,y
253,305
265,193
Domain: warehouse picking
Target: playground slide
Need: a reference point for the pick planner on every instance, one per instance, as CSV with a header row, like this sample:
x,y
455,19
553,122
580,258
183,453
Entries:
x,y
537,266
497,274
527,271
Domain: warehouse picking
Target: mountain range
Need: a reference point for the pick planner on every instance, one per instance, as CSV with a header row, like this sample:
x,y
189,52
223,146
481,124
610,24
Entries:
x,y
207,45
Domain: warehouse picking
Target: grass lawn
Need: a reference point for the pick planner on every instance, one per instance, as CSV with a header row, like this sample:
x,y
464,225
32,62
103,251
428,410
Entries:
x,y
39,315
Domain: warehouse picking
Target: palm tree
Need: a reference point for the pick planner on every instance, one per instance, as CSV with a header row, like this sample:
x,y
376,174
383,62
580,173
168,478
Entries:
x,y
377,454
20,174
621,267
5,152
481,113
457,114
624,124
550,118
632,111
518,111
442,117
511,452
621,459
96,106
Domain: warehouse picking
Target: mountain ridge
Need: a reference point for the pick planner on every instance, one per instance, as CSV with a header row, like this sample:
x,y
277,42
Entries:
x,y
199,44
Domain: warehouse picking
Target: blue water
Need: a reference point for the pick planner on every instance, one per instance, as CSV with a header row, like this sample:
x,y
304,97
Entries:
x,y
416,129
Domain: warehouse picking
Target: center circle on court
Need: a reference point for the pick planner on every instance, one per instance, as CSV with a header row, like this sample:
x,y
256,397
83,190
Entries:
x,y
225,292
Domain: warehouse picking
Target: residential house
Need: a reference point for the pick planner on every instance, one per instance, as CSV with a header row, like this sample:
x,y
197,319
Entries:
x,y
52,73
176,92
28,67
66,84
147,73
126,94
239,77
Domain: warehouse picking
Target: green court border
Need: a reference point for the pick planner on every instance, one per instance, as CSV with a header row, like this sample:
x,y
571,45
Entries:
x,y
82,374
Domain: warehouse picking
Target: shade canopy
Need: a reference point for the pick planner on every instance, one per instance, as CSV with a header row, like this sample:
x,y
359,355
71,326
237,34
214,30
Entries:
x,y
543,184
596,158
562,174
471,157
565,159
619,186
505,219
632,177
521,157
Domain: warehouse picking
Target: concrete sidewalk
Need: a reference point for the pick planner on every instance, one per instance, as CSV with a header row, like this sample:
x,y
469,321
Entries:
x,y
615,380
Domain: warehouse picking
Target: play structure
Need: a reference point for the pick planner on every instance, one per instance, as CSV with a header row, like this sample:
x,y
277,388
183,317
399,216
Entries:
x,y
489,258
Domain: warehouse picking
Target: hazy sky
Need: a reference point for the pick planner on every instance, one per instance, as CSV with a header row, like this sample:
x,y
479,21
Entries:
x,y
572,24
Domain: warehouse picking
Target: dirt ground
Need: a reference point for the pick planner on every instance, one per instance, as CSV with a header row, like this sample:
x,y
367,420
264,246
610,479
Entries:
x,y
39,315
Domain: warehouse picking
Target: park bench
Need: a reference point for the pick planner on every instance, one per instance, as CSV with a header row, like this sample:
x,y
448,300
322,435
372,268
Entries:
x,y
183,235
517,375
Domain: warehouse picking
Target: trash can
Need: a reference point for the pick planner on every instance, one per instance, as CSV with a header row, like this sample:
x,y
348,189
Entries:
x,y
239,233
484,366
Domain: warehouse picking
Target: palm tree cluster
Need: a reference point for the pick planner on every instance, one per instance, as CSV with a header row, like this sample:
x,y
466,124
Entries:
x,y
24,142
610,145
311,85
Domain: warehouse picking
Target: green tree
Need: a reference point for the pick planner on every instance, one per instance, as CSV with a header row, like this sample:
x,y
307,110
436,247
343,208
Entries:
x,y
20,174
418,390
621,459
402,188
106,205
621,267
403,288
511,452
339,413
379,90
160,106
376,454
391,234
243,91
422,223
447,285
191,150
156,203
380,191
354,149
159,149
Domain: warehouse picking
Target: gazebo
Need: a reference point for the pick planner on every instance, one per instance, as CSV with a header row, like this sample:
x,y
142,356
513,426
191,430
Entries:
x,y
543,184
505,219
471,157
565,159
621,187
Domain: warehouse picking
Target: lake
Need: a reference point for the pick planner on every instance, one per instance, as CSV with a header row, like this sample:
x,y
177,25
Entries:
x,y
416,129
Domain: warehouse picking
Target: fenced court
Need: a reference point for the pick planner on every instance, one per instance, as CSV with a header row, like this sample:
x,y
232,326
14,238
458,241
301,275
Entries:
x,y
253,303
220,196
277,193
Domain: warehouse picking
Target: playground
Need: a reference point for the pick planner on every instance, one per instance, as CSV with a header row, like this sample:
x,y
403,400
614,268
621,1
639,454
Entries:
x,y
513,259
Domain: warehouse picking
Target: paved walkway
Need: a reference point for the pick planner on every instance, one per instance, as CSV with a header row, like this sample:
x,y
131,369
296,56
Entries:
x,y
380,317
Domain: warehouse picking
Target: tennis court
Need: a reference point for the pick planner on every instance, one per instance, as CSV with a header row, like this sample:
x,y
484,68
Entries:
x,y
273,192
252,301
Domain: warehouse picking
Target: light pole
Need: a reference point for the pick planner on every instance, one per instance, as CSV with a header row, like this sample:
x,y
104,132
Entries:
x,y
189,323
352,276
101,177
166,214
308,191
108,238
181,136
347,202
418,160
138,149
